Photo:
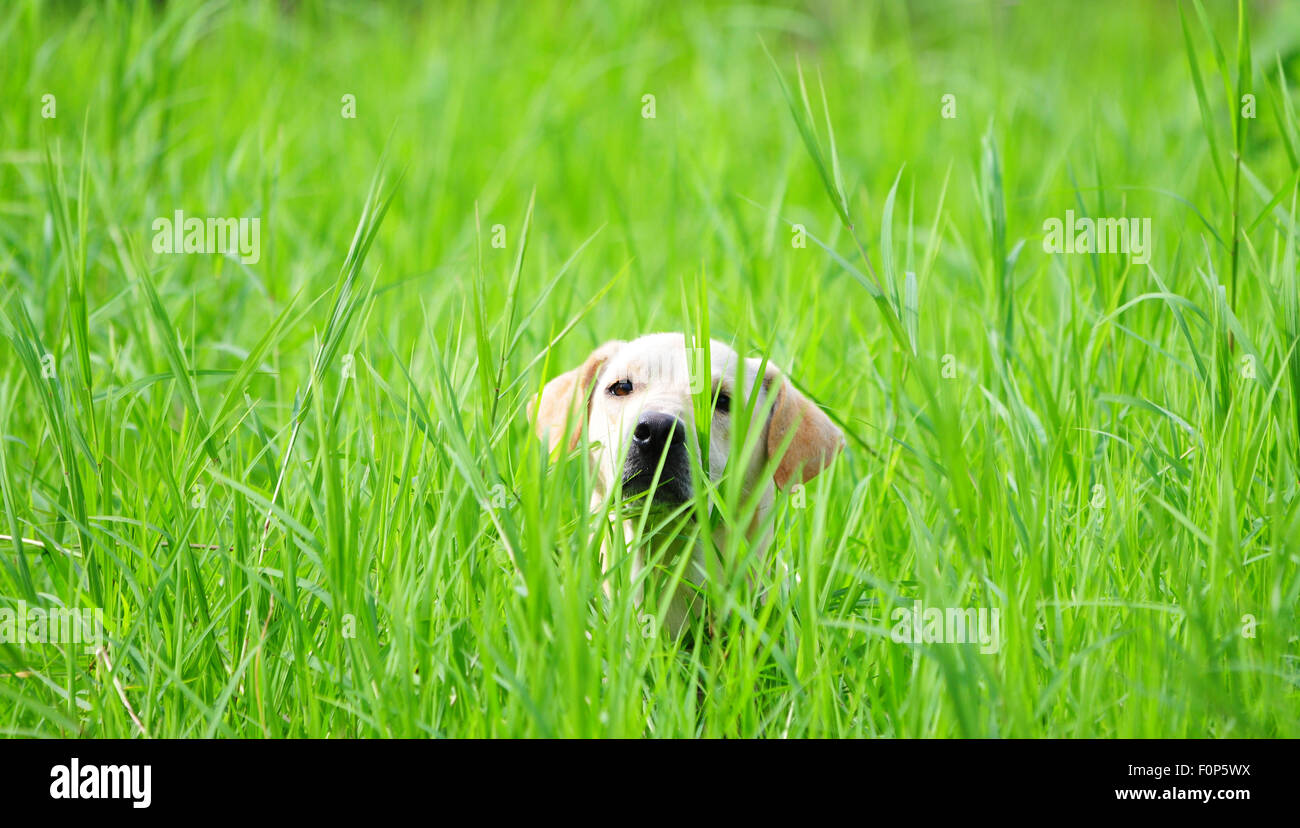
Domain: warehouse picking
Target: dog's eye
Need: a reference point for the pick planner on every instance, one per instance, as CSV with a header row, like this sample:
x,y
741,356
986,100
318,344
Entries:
x,y
724,402
621,388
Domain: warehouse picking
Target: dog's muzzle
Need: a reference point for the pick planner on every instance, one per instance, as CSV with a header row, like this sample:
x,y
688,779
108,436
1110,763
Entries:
x,y
657,436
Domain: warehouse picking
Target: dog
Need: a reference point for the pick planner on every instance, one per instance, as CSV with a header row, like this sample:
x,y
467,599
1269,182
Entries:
x,y
634,401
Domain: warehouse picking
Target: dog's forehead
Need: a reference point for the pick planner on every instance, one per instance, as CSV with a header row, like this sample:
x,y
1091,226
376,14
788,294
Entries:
x,y
666,357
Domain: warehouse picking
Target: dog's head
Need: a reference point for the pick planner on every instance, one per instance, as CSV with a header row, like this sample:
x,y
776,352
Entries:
x,y
635,400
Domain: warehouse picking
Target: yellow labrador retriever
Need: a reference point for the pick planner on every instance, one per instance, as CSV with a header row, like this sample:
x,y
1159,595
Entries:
x,y
635,401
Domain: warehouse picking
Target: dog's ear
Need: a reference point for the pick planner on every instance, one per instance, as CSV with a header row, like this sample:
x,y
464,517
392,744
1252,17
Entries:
x,y
551,411
816,439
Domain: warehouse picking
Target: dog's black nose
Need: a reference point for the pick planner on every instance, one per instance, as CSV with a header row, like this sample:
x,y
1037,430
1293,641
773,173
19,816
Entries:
x,y
656,431
658,442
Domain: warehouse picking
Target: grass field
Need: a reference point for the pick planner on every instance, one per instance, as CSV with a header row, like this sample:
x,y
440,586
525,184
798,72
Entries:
x,y
302,489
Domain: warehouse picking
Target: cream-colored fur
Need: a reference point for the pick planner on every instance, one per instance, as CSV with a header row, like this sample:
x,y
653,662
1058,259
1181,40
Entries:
x,y
657,365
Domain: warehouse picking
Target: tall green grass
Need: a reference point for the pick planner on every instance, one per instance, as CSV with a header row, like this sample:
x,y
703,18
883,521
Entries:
x,y
304,493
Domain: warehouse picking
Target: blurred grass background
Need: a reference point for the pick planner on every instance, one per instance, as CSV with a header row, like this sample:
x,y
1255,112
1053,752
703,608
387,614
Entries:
x,y
1118,476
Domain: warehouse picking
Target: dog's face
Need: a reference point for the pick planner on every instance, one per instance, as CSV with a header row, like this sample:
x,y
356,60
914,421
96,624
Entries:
x,y
642,413
636,402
